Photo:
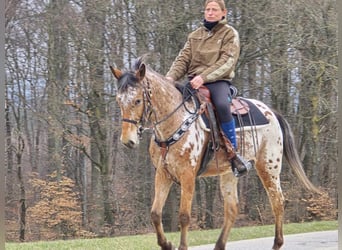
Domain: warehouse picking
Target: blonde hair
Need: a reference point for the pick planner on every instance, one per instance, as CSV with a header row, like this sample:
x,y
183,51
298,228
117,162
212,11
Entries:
x,y
219,2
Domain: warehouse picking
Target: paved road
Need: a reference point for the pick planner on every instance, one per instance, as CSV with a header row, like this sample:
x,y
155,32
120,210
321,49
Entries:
x,y
326,240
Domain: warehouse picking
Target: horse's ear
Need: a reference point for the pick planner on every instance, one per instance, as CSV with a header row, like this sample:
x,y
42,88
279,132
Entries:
x,y
116,72
140,74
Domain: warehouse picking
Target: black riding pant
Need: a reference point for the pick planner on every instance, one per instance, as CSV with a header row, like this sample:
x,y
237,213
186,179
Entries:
x,y
221,97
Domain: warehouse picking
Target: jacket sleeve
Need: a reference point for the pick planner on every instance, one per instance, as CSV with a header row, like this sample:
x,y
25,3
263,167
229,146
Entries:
x,y
225,66
181,64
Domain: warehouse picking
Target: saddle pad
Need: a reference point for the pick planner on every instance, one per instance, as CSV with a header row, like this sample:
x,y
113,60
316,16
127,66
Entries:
x,y
254,118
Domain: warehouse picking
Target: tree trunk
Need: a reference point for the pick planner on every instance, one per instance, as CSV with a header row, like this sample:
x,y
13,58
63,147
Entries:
x,y
22,193
95,13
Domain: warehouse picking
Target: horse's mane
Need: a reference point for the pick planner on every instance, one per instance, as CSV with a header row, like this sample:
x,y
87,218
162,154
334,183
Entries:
x,y
129,78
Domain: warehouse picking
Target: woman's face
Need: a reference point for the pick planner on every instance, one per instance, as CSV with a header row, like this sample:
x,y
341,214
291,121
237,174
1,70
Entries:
x,y
213,12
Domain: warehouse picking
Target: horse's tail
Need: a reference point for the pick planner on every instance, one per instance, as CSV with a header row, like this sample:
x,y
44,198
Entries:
x,y
291,153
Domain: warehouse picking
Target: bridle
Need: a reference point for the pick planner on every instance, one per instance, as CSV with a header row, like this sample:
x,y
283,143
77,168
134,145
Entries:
x,y
149,110
141,123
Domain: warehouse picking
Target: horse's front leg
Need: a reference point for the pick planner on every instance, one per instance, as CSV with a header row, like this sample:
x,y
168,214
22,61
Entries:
x,y
187,191
162,187
228,184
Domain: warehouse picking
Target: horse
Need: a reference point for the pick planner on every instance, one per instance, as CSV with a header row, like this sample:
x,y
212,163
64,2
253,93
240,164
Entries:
x,y
178,142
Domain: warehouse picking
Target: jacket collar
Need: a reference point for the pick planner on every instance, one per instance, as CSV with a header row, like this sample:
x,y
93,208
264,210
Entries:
x,y
218,25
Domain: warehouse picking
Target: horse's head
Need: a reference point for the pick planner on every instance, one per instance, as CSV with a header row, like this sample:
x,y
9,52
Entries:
x,y
132,100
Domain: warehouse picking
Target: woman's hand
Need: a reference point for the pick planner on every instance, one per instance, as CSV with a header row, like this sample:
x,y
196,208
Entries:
x,y
170,79
196,82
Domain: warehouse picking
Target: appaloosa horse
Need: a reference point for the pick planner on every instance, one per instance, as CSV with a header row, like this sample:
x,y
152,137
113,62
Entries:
x,y
179,140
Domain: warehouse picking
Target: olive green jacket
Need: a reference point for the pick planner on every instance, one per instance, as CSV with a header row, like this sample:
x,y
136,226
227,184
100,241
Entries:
x,y
211,54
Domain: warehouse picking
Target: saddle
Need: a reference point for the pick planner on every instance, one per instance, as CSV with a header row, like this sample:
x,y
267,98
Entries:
x,y
241,111
244,112
238,107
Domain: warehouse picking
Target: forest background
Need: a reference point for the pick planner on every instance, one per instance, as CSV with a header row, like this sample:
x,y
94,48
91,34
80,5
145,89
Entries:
x,y
68,176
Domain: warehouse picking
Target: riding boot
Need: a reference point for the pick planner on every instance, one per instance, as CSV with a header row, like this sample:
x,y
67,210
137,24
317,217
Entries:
x,y
239,165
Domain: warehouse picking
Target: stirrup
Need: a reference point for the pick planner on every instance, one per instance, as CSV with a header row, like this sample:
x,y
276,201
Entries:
x,y
240,166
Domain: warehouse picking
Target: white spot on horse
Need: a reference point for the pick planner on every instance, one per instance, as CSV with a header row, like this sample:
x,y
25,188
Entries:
x,y
127,97
193,145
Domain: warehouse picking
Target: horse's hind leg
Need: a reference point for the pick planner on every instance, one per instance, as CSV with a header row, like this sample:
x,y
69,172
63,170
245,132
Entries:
x,y
162,188
228,184
276,198
277,202
269,175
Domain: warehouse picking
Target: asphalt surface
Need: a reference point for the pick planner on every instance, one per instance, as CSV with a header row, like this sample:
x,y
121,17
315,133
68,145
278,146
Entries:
x,y
325,240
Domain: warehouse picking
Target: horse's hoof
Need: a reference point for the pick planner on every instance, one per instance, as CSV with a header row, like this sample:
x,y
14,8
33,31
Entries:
x,y
168,246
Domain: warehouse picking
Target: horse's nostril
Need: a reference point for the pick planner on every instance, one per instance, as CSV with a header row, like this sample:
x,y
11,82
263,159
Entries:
x,y
130,144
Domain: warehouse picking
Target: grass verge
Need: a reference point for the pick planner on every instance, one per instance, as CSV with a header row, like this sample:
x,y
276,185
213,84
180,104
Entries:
x,y
195,238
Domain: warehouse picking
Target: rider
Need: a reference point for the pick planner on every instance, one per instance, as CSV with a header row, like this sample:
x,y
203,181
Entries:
x,y
208,58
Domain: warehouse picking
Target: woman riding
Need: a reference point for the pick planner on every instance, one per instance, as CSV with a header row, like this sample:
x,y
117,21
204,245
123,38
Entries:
x,y
208,58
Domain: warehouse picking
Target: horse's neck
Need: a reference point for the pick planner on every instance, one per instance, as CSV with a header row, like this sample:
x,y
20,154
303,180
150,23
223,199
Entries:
x,y
167,106
165,94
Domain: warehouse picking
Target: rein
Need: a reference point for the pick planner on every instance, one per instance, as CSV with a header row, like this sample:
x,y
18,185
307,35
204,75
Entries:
x,y
188,96
182,128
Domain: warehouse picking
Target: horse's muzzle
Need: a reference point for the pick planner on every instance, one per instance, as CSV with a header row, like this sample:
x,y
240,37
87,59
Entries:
x,y
130,140
129,144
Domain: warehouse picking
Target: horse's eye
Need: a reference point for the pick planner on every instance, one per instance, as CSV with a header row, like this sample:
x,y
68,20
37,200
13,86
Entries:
x,y
137,102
